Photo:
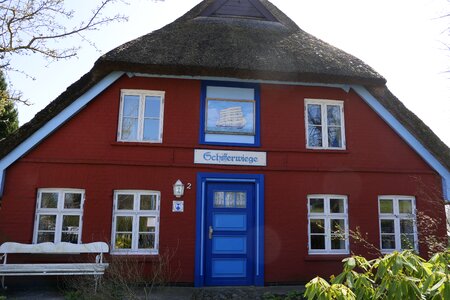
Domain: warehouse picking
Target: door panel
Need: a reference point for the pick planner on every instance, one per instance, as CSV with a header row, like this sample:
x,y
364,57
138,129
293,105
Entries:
x,y
229,245
229,228
230,221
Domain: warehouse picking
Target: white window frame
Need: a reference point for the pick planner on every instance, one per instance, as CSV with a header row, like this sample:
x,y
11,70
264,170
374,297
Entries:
x,y
60,211
135,213
327,216
140,134
397,217
323,104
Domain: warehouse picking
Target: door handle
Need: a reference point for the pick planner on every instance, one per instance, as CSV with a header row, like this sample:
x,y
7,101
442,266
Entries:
x,y
211,230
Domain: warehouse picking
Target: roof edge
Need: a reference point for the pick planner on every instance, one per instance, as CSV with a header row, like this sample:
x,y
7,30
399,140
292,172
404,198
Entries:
x,y
400,125
46,127
244,74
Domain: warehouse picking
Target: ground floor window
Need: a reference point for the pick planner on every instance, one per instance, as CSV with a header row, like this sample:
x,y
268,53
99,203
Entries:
x,y
328,224
136,222
59,215
397,223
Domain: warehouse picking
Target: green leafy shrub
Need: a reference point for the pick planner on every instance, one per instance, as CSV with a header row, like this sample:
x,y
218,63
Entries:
x,y
399,275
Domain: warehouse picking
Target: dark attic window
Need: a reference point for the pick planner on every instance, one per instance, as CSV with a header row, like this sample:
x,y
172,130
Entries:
x,y
246,9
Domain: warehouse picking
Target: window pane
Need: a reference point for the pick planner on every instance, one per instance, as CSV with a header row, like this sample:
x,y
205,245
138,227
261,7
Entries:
x,y
129,129
146,241
407,241
229,199
152,107
338,226
406,226
71,223
44,237
124,224
387,241
317,225
386,206
151,130
125,202
47,222
315,136
147,224
317,242
49,200
72,200
219,199
316,205
337,206
148,202
337,242
69,237
123,241
130,106
405,206
387,226
334,115
314,114
334,137
241,200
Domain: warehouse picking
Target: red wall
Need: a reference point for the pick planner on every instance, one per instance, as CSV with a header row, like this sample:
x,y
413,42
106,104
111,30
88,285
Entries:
x,y
84,154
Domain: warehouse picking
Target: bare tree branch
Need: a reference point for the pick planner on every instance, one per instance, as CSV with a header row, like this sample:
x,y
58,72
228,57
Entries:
x,y
30,26
33,26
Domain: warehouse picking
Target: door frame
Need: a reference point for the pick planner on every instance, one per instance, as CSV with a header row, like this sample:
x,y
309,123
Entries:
x,y
202,180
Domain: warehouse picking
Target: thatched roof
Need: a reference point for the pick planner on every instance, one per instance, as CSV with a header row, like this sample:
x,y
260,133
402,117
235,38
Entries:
x,y
262,45
239,47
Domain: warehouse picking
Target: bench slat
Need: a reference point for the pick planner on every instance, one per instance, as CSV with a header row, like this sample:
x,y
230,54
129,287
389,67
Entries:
x,y
52,248
51,273
50,267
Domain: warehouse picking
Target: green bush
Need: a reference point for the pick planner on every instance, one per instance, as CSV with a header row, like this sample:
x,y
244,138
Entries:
x,y
399,275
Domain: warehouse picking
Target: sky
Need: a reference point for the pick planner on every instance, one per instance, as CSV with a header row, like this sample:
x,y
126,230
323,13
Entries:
x,y
403,40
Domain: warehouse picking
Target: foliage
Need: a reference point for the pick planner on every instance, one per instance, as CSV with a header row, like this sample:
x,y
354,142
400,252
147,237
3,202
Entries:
x,y
9,120
399,275
124,278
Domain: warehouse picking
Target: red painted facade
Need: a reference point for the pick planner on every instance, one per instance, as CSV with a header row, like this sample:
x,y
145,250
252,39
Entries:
x,y
84,154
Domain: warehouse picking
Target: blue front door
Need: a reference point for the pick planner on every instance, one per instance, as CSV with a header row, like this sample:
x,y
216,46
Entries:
x,y
230,225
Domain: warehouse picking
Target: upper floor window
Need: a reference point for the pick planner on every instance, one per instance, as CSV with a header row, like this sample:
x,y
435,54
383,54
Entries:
x,y
324,124
136,222
230,114
397,223
59,215
328,224
141,116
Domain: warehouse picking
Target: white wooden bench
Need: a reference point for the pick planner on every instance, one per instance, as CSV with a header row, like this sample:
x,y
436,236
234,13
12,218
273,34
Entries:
x,y
96,268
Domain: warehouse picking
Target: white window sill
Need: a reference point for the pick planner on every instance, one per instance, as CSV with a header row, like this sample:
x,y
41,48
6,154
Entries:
x,y
134,253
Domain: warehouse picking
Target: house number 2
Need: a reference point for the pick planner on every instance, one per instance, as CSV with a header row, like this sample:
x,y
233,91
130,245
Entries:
x,y
188,186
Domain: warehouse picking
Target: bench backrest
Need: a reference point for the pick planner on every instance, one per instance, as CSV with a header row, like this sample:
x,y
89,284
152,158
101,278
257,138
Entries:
x,y
52,248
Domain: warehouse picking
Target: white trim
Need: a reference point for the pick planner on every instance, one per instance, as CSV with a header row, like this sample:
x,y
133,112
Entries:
x,y
396,216
327,216
54,124
59,212
323,104
141,117
136,213
407,137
